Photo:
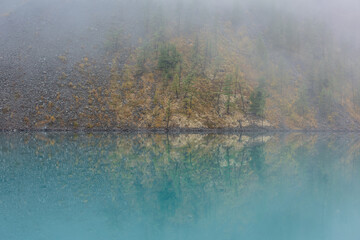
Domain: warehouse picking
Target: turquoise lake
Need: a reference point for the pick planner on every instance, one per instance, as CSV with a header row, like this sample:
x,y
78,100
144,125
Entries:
x,y
189,186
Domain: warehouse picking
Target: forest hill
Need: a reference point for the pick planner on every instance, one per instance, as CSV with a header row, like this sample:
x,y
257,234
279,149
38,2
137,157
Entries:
x,y
177,69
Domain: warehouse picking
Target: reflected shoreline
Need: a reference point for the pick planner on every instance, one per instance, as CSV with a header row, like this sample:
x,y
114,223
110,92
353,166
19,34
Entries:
x,y
185,186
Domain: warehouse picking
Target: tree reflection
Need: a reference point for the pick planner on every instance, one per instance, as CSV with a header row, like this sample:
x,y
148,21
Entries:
x,y
162,182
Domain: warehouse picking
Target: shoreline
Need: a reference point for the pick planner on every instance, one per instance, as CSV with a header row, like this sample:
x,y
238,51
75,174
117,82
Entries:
x,y
187,130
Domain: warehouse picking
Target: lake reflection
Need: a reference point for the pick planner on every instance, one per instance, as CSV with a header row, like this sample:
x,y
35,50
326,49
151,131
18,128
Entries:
x,y
114,186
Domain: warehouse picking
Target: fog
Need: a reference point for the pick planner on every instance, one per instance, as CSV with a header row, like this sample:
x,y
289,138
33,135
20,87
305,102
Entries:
x,y
42,40
72,16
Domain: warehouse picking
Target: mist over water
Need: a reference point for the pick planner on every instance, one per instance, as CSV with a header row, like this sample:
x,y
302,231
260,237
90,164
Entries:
x,y
109,186
236,66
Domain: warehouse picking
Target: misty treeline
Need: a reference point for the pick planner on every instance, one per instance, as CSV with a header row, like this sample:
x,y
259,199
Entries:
x,y
208,64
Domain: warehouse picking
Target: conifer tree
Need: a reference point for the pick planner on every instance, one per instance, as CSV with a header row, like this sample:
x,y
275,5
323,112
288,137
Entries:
x,y
228,86
258,100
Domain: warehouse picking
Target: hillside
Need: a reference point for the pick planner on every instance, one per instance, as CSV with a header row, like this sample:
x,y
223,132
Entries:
x,y
156,65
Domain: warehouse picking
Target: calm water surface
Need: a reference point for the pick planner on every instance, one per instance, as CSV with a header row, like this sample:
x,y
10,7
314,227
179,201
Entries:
x,y
113,186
